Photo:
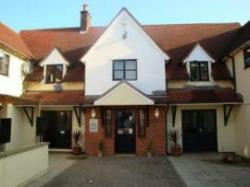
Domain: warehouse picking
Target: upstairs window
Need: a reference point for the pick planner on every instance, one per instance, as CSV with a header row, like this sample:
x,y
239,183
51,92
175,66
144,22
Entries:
x,y
199,71
124,70
247,57
4,64
54,73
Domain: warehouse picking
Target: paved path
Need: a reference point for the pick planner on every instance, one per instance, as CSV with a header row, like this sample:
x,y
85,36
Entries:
x,y
196,171
118,171
58,162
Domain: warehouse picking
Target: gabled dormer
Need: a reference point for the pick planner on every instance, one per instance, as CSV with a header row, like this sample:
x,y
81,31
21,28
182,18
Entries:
x,y
199,65
54,67
125,51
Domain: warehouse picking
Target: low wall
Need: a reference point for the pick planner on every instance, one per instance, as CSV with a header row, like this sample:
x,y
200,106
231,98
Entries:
x,y
21,165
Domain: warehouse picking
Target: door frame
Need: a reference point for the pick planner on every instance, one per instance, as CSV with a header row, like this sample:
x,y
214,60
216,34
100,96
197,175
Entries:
x,y
203,110
115,110
71,127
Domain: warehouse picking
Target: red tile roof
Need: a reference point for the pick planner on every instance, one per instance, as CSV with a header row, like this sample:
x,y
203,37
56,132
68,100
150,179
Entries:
x,y
242,36
17,100
176,40
173,96
12,40
57,98
184,96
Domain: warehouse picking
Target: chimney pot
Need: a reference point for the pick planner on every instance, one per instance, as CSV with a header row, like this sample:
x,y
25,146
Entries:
x,y
85,7
85,19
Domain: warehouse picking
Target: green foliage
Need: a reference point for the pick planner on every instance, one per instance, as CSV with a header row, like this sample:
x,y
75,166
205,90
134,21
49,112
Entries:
x,y
174,136
101,145
77,136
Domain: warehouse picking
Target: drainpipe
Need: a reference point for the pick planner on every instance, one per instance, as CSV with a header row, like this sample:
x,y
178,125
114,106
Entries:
x,y
234,73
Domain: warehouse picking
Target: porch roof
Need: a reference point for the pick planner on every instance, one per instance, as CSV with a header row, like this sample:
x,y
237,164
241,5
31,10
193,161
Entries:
x,y
57,98
123,93
6,99
187,96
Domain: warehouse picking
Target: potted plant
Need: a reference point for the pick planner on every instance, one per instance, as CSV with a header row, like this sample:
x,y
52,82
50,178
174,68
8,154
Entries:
x,y
149,149
229,158
175,135
77,148
100,148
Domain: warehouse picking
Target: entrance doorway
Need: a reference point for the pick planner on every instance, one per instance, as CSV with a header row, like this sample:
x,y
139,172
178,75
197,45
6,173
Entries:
x,y
199,130
57,128
125,131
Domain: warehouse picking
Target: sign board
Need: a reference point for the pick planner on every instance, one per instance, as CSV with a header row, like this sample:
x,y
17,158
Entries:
x,y
93,125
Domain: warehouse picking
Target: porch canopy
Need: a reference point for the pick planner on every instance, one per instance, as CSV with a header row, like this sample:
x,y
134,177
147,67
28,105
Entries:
x,y
199,96
123,94
52,98
7,99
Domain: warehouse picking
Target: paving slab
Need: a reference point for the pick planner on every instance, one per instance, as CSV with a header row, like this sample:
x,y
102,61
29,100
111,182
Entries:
x,y
195,170
119,171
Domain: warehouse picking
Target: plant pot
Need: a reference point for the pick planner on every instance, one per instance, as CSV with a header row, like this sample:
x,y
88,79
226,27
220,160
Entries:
x,y
100,154
77,150
229,158
149,154
176,151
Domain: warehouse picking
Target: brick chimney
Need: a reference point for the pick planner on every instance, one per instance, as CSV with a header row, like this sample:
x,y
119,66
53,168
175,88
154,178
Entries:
x,y
85,19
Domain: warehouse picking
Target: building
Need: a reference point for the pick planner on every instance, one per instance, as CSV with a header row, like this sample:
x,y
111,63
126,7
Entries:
x,y
130,84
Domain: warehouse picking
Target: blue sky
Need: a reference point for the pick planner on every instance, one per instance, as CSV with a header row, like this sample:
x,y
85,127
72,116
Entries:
x,y
31,14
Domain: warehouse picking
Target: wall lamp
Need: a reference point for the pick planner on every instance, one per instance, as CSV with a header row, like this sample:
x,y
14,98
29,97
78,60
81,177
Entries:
x,y
157,113
93,113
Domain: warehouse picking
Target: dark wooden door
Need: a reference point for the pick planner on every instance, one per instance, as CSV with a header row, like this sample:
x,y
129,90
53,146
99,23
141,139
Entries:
x,y
57,128
125,131
199,130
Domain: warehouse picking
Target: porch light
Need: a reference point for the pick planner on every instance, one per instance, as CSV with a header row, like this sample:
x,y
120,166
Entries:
x,y
157,113
93,113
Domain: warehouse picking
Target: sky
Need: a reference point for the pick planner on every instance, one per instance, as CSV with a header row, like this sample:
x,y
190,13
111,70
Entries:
x,y
33,14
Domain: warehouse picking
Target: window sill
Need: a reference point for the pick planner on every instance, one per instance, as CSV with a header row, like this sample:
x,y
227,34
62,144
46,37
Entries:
x,y
200,83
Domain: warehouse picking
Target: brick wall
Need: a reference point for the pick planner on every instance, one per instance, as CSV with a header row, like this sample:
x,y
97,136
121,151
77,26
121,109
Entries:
x,y
92,139
155,132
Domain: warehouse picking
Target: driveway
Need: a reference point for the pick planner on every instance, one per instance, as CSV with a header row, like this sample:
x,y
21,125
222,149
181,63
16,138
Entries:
x,y
118,171
199,170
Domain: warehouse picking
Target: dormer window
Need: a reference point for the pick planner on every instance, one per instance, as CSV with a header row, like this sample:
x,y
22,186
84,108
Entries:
x,y
199,71
54,67
4,64
247,57
54,73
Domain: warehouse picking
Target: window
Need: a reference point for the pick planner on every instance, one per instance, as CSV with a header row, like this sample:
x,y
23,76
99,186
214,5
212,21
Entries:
x,y
247,57
124,70
142,123
4,64
199,71
108,123
54,73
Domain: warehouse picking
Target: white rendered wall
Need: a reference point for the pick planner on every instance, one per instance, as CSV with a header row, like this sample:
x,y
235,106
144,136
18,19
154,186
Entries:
x,y
22,133
137,45
13,83
17,169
